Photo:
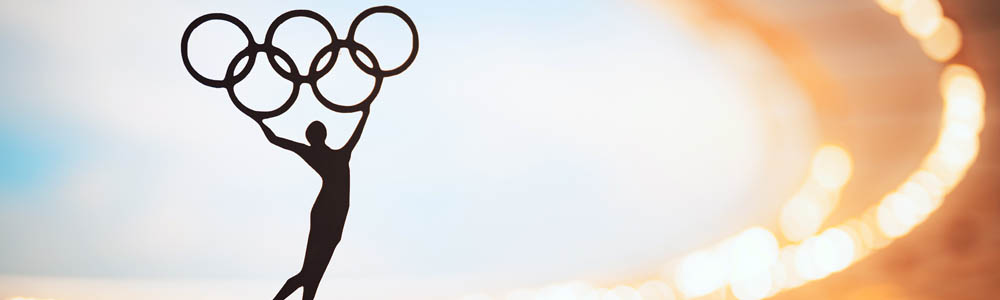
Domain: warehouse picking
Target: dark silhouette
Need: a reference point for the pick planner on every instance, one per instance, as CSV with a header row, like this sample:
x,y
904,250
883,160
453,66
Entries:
x,y
326,222
329,212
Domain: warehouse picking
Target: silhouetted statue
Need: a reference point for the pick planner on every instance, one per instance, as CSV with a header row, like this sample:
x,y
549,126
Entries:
x,y
329,213
326,222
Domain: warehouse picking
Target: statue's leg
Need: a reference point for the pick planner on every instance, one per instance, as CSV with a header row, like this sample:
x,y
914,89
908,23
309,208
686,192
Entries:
x,y
309,291
290,286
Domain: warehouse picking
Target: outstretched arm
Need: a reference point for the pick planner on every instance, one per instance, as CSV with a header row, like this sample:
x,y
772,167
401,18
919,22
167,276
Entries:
x,y
349,146
281,142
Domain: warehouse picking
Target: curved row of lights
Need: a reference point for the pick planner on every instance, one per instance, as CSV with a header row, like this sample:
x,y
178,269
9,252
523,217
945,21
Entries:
x,y
753,265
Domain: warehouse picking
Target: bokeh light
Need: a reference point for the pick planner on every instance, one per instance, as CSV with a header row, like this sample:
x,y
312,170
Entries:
x,y
656,290
831,166
700,273
944,43
921,18
805,212
891,6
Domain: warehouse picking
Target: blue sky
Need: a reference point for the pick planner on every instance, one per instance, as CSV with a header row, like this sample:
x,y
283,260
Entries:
x,y
117,163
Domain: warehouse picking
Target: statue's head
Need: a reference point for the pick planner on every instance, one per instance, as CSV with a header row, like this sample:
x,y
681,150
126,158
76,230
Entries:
x,y
316,133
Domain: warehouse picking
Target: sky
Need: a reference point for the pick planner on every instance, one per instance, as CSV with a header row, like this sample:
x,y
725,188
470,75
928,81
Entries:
x,y
530,141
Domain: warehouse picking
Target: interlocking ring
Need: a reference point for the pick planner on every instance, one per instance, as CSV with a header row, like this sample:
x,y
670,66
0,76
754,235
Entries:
x,y
187,62
315,71
311,76
251,53
352,47
375,71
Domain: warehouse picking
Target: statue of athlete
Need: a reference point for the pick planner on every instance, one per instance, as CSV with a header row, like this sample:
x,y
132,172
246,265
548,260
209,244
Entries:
x,y
329,213
326,222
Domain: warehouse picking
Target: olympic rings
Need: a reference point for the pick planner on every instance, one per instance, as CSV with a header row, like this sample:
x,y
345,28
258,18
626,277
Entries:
x,y
292,74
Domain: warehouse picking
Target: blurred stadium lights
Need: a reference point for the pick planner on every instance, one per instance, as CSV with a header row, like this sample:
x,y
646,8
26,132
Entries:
x,y
754,265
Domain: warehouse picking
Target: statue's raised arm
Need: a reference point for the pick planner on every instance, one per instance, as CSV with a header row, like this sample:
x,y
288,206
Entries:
x,y
356,135
281,142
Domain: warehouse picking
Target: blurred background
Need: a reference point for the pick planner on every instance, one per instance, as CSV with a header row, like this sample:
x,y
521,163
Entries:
x,y
534,150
